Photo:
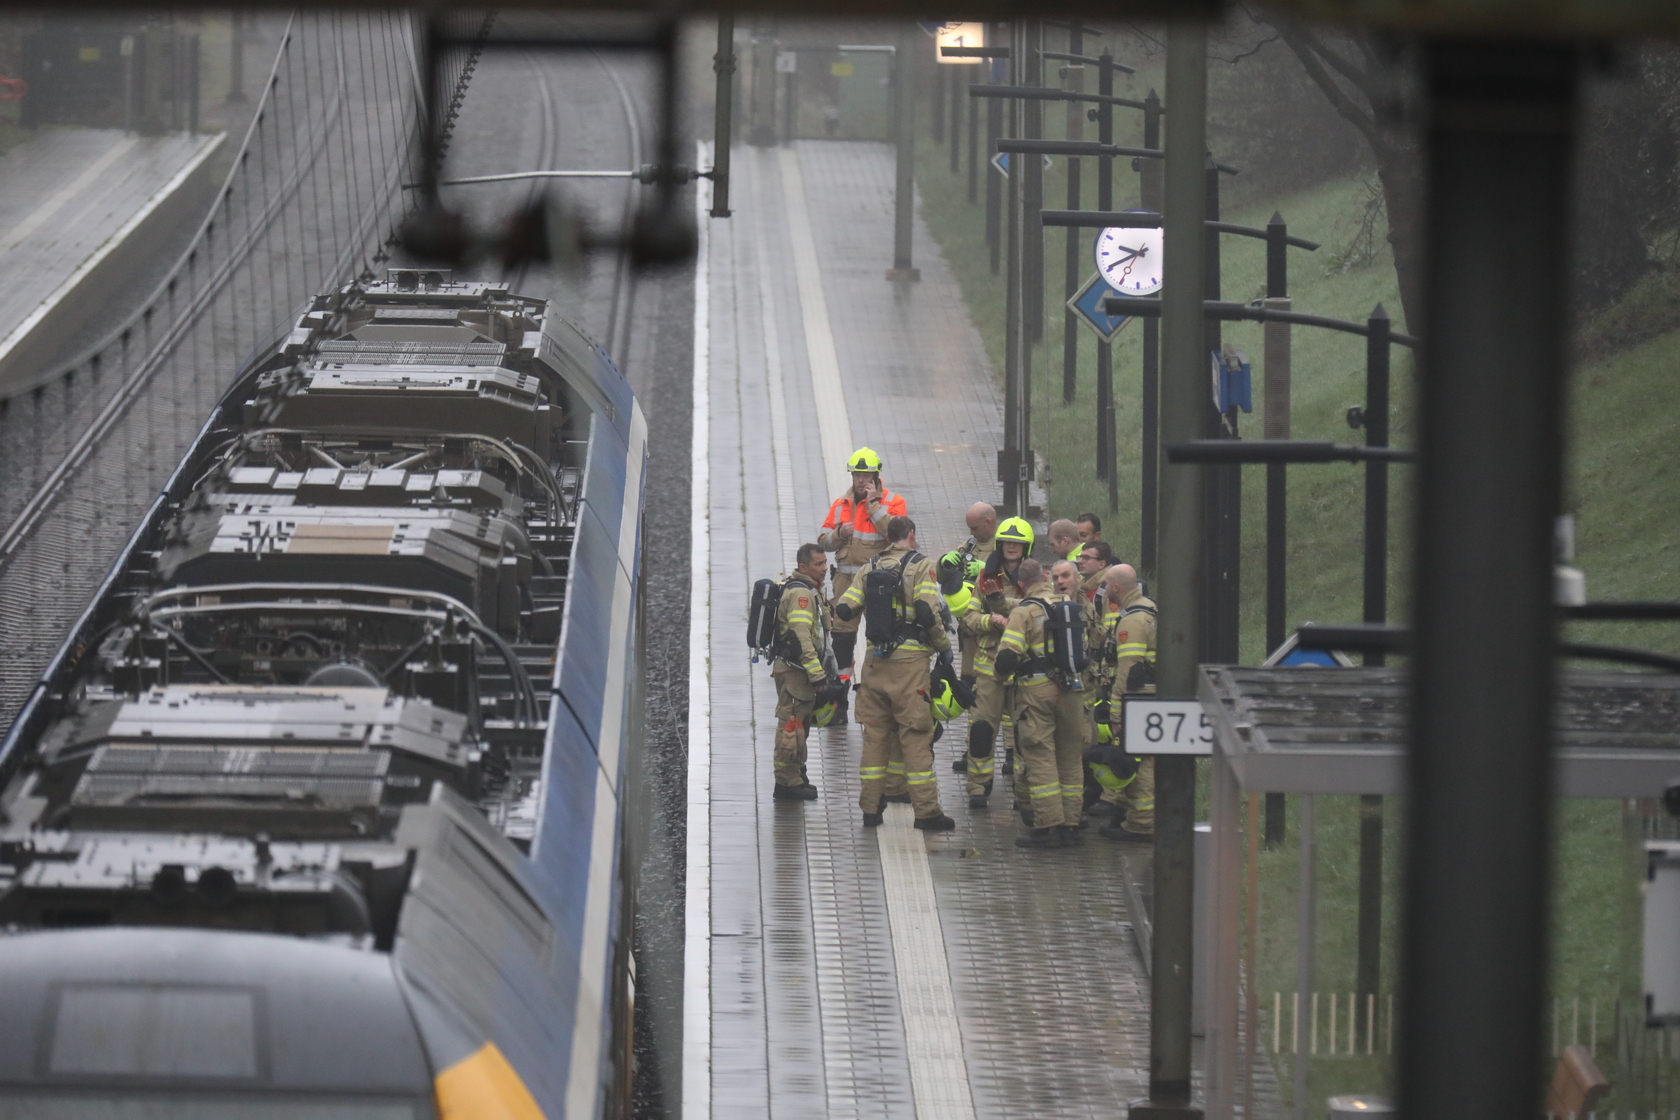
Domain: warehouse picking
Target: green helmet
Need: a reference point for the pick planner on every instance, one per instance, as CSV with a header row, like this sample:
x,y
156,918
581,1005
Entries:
x,y
1018,530
823,716
959,599
942,701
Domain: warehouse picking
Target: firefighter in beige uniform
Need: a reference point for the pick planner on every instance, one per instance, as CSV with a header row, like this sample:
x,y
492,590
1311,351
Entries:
x,y
1134,672
982,542
802,681
1052,725
903,630
985,623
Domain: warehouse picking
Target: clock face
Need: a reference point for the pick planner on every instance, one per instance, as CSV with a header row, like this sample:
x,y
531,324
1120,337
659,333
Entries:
x,y
1130,260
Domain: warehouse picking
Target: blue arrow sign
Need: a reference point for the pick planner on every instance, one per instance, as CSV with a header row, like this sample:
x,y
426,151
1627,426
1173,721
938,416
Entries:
x,y
1000,163
1087,303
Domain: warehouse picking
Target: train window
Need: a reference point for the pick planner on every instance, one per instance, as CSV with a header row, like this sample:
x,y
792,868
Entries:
x,y
154,1030
36,1105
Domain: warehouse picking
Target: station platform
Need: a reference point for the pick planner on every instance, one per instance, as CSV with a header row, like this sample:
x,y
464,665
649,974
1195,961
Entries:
x,y
832,970
83,214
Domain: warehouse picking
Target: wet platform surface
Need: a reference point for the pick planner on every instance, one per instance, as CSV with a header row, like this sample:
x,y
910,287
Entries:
x,y
851,972
66,196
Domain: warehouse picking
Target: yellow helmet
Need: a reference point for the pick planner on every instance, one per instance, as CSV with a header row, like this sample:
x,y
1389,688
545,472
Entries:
x,y
942,701
959,599
822,716
1017,530
864,459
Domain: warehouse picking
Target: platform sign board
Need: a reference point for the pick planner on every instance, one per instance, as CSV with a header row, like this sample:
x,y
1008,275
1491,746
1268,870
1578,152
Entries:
x,y
959,35
1000,163
1087,303
1166,727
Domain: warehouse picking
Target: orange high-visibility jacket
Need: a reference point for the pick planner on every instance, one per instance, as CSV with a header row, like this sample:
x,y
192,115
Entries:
x,y
869,528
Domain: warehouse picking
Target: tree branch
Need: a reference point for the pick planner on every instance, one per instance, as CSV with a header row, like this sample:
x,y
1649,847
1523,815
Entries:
x,y
1360,78
1339,100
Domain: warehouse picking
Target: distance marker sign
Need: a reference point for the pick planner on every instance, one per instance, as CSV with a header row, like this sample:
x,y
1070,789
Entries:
x,y
1167,727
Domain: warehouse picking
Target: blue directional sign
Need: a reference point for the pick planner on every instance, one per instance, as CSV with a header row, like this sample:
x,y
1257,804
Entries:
x,y
1000,163
1290,655
1087,303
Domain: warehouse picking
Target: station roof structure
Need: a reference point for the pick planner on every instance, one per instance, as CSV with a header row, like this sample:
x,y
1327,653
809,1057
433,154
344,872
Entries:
x,y
1316,730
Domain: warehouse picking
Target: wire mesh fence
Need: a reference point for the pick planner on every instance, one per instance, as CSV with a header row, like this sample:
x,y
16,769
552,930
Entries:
x,y
313,196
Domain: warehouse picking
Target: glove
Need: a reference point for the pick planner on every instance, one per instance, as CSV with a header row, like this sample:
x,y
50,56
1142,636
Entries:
x,y
944,660
831,692
844,612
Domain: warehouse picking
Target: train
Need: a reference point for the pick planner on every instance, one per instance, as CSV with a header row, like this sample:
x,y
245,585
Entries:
x,y
320,809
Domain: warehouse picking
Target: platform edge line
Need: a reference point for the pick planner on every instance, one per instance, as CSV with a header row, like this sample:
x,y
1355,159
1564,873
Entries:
x,y
823,358
932,1033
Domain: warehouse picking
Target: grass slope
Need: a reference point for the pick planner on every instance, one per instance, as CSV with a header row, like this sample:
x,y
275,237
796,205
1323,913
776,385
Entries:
x,y
1623,485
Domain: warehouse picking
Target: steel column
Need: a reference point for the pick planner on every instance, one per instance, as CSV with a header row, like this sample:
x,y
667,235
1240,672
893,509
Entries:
x,y
1075,130
1149,195
1183,401
904,137
1279,374
1377,350
723,66
1498,149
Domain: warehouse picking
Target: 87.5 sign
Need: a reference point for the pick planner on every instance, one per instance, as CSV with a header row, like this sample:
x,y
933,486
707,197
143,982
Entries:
x,y
1167,727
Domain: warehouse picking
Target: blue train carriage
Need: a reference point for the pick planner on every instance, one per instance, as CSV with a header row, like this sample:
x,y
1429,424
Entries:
x,y
319,811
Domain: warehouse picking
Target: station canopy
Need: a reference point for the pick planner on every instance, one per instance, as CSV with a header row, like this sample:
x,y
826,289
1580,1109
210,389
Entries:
x,y
1308,730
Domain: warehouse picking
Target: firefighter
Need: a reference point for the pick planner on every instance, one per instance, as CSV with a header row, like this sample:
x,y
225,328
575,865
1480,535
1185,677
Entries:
x,y
1064,539
1090,527
1052,726
998,592
803,683
1095,558
1133,627
982,542
856,532
897,600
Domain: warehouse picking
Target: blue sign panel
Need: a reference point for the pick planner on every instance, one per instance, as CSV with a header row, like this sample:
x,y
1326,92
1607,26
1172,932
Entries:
x,y
1087,303
1000,163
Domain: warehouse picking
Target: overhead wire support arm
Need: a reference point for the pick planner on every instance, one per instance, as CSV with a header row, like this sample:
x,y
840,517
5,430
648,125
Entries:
x,y
974,52
1088,60
1047,93
1149,219
1074,148
1283,451
1231,311
1388,638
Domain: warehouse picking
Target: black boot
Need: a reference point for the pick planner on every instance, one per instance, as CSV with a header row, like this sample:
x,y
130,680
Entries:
x,y
795,793
1040,838
977,801
960,763
897,799
871,820
941,823
1071,837
1009,762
